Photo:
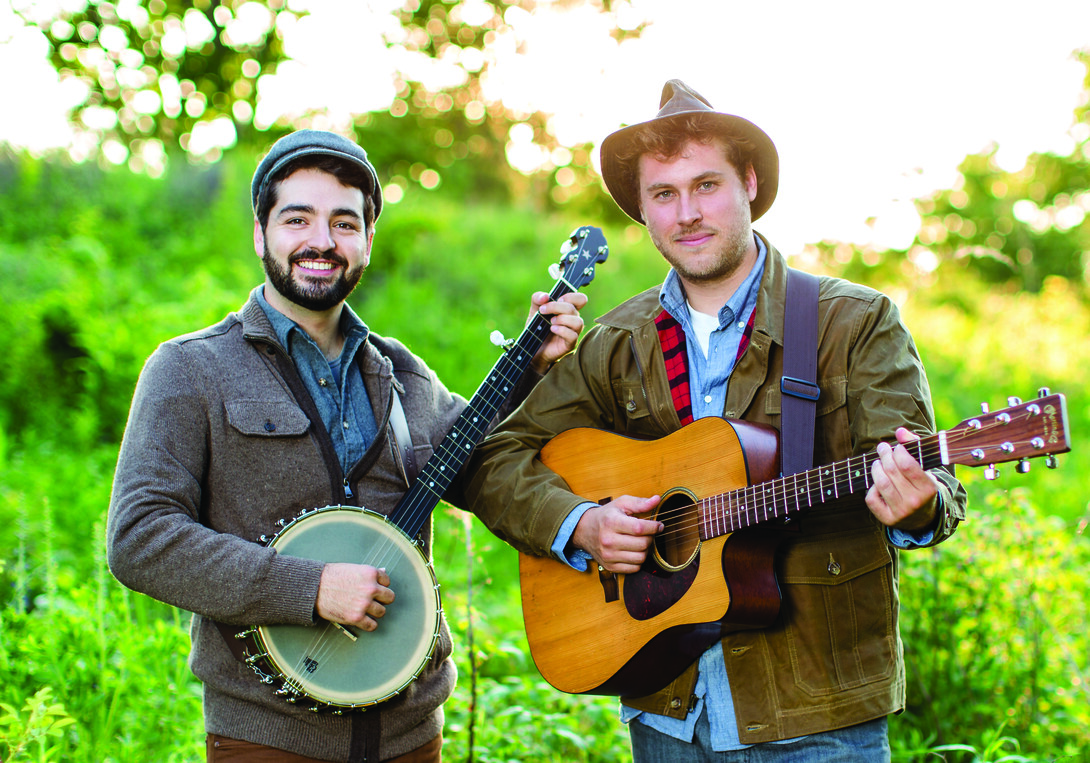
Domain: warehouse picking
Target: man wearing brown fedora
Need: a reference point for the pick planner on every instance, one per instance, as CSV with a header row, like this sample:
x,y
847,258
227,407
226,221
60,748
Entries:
x,y
815,680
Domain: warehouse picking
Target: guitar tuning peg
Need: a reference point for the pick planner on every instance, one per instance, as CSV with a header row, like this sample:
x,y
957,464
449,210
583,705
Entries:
x,y
1023,466
555,272
990,472
984,408
1051,462
1044,392
1013,401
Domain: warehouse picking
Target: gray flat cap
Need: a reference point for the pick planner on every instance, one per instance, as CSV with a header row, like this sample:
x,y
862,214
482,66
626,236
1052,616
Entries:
x,y
310,142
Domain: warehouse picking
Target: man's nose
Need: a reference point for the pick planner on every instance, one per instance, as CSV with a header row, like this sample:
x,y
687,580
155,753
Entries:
x,y
321,237
688,210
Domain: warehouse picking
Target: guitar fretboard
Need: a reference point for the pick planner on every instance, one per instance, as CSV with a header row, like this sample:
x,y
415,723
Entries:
x,y
787,496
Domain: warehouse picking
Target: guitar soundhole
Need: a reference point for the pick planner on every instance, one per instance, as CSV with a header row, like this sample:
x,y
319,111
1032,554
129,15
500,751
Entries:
x,y
671,568
679,543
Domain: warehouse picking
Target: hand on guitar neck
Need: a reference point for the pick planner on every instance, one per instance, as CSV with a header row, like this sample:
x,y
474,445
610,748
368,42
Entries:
x,y
353,594
616,538
904,496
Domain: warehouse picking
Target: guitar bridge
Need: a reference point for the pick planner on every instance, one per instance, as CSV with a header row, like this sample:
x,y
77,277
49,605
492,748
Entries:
x,y
610,586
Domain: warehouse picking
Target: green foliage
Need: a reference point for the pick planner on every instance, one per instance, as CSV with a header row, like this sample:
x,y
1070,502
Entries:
x,y
995,626
104,265
39,722
159,72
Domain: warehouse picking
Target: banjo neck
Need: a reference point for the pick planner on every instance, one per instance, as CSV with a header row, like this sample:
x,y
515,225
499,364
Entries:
x,y
585,248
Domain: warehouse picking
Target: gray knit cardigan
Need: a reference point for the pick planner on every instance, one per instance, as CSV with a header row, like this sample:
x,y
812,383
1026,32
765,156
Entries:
x,y
217,448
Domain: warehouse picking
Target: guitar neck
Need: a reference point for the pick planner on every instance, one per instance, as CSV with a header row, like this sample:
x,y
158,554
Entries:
x,y
786,497
1017,433
440,470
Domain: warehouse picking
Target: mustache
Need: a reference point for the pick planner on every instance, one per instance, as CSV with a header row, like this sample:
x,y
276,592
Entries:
x,y
315,254
689,230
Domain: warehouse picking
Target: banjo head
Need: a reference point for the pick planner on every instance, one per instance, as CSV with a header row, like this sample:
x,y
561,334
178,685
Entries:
x,y
344,666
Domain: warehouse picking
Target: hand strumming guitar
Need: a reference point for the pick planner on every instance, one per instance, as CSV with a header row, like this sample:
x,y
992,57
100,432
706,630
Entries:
x,y
616,538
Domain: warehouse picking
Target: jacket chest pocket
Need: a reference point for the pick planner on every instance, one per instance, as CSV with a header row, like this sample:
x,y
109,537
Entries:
x,y
633,412
260,418
841,626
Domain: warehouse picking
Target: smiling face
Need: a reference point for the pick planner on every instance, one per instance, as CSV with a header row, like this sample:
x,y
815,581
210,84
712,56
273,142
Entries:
x,y
315,245
697,211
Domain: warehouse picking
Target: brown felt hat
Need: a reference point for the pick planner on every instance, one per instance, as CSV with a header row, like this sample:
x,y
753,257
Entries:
x,y
679,99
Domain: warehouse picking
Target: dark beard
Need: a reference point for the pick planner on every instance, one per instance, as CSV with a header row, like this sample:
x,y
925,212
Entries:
x,y
317,297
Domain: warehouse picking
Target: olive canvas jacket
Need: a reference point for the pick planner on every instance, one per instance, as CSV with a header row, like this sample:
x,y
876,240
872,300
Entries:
x,y
221,443
834,656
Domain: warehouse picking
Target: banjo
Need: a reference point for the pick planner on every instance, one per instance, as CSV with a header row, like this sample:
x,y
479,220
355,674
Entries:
x,y
334,666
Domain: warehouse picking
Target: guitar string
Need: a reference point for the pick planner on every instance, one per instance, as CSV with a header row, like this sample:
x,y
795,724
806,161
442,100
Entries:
x,y
744,513
744,508
509,373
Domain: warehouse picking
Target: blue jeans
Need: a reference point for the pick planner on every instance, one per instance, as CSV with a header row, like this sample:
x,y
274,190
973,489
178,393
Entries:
x,y
865,743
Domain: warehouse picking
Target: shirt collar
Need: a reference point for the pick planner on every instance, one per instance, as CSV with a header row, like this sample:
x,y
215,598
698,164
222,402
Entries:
x,y
354,329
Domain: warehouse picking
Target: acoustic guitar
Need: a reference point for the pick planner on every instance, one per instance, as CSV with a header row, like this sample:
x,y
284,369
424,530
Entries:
x,y
710,571
336,666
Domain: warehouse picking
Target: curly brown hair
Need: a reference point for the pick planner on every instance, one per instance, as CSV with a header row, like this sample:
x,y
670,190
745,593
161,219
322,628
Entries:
x,y
665,138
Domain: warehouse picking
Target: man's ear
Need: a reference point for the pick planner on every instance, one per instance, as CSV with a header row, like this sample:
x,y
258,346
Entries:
x,y
259,238
751,182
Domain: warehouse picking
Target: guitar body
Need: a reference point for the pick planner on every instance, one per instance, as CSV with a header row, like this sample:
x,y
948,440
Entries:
x,y
599,633
711,570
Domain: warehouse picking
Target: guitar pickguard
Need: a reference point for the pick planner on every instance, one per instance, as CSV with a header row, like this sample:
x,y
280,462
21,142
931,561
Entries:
x,y
653,590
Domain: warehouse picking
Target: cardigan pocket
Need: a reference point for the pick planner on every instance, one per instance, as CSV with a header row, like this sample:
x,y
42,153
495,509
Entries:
x,y
262,418
840,585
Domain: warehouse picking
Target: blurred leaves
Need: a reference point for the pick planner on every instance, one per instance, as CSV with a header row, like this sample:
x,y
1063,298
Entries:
x,y
165,76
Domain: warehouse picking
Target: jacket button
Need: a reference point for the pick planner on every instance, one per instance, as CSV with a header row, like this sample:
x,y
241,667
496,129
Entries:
x,y
675,703
630,406
269,426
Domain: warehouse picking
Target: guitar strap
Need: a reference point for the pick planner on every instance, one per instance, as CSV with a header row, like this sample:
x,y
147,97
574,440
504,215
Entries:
x,y
798,385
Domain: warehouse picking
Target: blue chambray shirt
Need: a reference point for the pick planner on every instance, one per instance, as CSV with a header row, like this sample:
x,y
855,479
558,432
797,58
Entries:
x,y
335,385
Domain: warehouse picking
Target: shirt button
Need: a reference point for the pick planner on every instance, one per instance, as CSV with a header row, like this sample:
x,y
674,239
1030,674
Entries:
x,y
345,424
707,398
322,382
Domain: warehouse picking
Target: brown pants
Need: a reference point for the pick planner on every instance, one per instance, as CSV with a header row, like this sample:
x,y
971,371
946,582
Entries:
x,y
223,750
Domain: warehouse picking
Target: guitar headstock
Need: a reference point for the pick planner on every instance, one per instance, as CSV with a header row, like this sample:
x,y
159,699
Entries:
x,y
1017,433
581,252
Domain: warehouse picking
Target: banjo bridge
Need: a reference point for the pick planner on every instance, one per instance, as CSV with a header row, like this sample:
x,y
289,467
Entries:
x,y
346,632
